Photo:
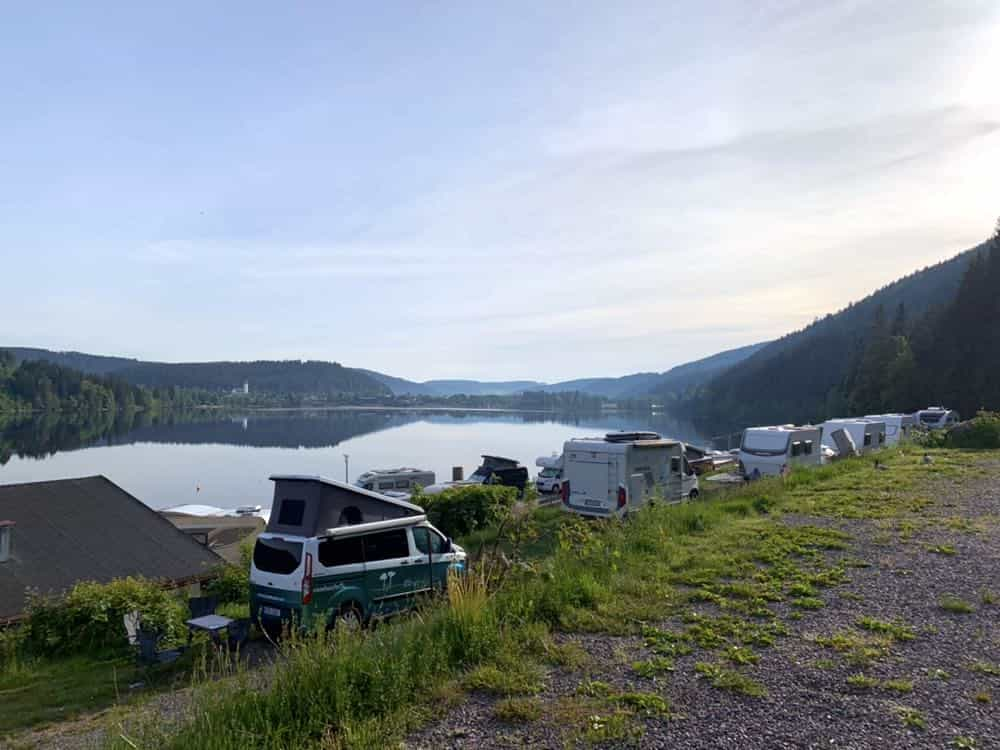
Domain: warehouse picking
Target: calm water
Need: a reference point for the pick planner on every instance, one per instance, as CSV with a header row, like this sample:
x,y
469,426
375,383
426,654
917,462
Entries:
x,y
226,460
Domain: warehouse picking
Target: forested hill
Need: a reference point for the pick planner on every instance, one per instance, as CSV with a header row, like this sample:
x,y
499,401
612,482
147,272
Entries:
x,y
271,377
831,368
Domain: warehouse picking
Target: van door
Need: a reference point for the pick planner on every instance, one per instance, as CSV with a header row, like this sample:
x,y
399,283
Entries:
x,y
388,575
431,558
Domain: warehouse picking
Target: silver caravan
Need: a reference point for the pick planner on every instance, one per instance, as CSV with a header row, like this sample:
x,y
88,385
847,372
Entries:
x,y
620,472
402,480
771,451
898,427
868,434
936,417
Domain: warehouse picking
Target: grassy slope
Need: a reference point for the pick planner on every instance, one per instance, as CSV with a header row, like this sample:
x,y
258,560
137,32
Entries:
x,y
733,550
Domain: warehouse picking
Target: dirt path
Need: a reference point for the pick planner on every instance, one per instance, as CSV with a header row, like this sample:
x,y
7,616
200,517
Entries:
x,y
934,682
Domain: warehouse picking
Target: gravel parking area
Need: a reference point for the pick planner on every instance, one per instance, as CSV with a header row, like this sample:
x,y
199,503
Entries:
x,y
935,574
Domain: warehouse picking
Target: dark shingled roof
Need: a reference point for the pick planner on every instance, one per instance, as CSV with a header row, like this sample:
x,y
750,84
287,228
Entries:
x,y
72,530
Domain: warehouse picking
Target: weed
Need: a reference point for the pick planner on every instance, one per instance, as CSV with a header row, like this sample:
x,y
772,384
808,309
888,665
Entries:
x,y
912,718
964,742
855,648
983,696
741,655
939,674
900,686
801,589
567,654
941,549
862,682
613,727
824,664
645,704
729,679
518,710
988,597
510,678
896,630
809,602
955,605
653,666
985,667
593,689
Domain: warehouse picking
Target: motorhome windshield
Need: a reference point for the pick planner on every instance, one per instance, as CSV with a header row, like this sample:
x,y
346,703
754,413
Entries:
x,y
765,441
931,417
277,556
549,472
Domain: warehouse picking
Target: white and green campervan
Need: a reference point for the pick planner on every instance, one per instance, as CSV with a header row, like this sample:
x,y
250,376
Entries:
x,y
333,551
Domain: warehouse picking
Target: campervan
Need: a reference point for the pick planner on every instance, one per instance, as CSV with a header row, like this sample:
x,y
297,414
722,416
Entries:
x,y
402,480
549,479
868,434
335,552
898,427
620,472
770,451
936,417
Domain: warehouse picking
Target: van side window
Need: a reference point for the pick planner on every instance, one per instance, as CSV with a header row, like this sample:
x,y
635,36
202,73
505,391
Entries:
x,y
808,447
402,484
292,512
424,538
386,545
385,485
868,438
344,551
350,516
675,465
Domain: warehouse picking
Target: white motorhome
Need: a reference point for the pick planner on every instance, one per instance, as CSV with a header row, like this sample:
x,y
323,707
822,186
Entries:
x,y
771,451
549,479
620,472
402,480
898,427
936,417
868,434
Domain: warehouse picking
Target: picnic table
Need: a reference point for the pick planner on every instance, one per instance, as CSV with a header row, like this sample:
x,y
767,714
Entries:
x,y
211,624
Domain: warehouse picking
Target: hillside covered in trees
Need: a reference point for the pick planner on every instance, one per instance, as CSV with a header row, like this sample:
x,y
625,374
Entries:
x,y
931,337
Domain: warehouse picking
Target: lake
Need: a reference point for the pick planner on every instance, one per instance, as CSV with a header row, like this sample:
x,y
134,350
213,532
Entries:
x,y
225,459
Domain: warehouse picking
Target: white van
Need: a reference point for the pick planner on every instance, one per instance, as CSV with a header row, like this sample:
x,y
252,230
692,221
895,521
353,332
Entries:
x,y
868,434
771,451
333,551
936,417
620,472
898,427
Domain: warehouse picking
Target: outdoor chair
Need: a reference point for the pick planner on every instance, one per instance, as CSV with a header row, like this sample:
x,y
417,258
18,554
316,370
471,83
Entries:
x,y
148,653
202,605
131,620
237,633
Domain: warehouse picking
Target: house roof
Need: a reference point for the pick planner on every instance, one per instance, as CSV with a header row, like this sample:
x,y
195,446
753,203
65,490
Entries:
x,y
70,530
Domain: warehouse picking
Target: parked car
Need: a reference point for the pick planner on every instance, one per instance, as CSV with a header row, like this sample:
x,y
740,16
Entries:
x,y
621,472
306,571
771,451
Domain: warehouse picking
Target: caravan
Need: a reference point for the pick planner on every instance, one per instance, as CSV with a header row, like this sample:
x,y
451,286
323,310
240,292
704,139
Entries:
x,y
620,472
868,434
335,552
770,451
898,427
936,417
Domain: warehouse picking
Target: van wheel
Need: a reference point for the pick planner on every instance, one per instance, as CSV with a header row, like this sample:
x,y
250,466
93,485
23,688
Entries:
x,y
349,617
693,495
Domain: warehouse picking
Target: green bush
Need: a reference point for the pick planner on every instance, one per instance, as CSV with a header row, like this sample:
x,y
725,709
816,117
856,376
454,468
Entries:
x,y
461,510
981,432
91,616
232,581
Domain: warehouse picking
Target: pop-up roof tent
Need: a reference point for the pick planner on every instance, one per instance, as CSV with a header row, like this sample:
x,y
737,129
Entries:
x,y
309,505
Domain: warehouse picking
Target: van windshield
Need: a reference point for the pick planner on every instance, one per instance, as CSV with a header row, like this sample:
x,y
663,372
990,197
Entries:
x,y
277,556
549,473
760,441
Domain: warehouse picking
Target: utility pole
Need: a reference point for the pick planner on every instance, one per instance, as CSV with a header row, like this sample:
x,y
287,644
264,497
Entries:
x,y
347,471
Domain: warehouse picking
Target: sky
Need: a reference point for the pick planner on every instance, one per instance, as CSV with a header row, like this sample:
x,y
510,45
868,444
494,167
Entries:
x,y
430,189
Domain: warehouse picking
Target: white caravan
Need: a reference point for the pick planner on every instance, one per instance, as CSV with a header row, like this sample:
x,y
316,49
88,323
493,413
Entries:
x,y
868,434
771,451
620,472
898,427
402,480
936,417
549,479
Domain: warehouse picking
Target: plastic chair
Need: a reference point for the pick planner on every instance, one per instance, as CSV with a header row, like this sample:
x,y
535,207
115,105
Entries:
x,y
200,606
148,653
